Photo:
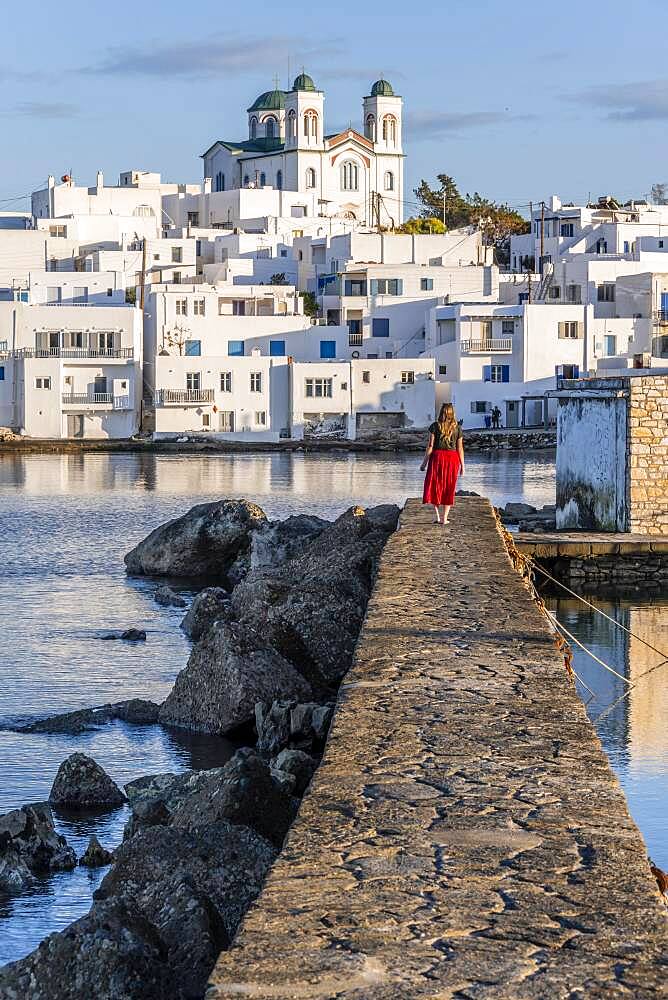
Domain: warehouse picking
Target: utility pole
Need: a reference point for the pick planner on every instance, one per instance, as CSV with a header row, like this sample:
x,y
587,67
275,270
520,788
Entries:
x,y
542,234
142,287
444,209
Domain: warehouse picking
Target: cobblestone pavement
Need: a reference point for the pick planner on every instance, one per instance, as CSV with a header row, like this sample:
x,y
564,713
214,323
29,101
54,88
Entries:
x,y
464,836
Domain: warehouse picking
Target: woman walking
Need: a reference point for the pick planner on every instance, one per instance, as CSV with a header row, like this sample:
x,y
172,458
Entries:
x,y
443,460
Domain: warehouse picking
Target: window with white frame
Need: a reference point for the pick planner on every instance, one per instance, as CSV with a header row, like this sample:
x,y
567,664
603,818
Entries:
x,y
292,125
606,292
426,284
206,420
177,255
43,382
610,342
507,327
480,406
256,381
389,180
390,129
349,176
569,329
176,277
311,124
260,418
226,381
182,307
407,378
310,178
199,307
496,373
193,381
370,128
318,388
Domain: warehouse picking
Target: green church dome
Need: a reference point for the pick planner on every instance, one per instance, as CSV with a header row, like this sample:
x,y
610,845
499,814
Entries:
x,y
271,100
303,82
382,88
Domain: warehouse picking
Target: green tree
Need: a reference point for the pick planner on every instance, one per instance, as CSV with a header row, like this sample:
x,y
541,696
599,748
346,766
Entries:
x,y
420,225
278,278
310,304
497,221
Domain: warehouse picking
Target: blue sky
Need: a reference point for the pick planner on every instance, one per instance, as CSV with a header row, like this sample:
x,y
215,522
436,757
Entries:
x,y
517,101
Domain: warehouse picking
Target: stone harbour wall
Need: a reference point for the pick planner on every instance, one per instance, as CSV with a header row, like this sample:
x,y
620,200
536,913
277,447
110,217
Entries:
x,y
647,471
464,835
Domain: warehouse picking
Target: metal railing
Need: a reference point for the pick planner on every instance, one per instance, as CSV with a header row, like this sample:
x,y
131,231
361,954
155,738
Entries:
x,y
355,339
181,396
71,353
87,398
487,346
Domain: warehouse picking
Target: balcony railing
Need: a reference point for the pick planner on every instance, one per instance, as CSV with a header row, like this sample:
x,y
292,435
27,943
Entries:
x,y
181,397
89,398
71,353
355,339
488,346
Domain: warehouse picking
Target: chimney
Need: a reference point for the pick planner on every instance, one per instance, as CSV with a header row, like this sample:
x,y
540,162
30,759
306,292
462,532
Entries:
x,y
99,181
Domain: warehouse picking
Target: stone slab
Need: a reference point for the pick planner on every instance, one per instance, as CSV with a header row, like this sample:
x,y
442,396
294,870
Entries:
x,y
576,545
465,836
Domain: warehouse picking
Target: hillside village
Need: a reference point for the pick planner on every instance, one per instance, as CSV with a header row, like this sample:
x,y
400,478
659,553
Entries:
x,y
279,299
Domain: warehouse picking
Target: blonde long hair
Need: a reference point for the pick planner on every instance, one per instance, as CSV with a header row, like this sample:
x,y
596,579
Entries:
x,y
447,421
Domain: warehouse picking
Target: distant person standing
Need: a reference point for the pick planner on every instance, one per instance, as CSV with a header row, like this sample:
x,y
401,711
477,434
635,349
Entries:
x,y
444,461
496,418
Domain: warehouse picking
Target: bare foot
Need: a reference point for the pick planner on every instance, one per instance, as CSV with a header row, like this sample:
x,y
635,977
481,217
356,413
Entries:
x,y
445,520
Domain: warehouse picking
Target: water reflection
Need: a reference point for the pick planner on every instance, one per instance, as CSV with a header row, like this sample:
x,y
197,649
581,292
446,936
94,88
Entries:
x,y
630,722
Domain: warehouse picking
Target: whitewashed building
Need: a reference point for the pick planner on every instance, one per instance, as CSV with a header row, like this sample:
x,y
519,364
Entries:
x,y
70,372
357,173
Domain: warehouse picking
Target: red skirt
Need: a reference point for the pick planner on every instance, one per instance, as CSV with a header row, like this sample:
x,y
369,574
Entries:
x,y
441,478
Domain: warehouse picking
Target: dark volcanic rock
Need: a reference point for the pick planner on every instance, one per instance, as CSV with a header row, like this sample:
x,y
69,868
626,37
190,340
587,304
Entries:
x,y
385,516
95,855
137,711
229,670
112,953
203,542
168,598
242,792
311,608
224,861
288,724
209,605
29,845
129,635
279,541
299,765
82,783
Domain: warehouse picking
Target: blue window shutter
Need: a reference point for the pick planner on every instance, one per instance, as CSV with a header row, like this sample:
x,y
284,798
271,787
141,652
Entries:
x,y
380,328
277,348
347,288
2,373
327,348
235,348
664,303
193,348
487,373
374,286
400,286
505,373
576,371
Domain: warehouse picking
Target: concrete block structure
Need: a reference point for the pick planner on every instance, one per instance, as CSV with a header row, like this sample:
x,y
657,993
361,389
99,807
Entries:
x,y
612,454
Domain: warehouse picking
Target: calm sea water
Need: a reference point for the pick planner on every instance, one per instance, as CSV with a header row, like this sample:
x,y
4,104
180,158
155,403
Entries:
x,y
66,522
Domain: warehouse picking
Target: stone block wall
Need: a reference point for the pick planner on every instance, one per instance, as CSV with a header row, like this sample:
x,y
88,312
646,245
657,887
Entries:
x,y
647,459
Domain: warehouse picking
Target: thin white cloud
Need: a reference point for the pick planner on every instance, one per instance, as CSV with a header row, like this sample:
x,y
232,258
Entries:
x,y
427,125
628,102
41,109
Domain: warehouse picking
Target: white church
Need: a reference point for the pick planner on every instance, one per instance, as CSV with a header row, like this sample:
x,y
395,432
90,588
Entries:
x,y
357,174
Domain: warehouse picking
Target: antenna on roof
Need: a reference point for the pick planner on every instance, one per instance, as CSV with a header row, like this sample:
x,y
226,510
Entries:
x,y
288,84
276,81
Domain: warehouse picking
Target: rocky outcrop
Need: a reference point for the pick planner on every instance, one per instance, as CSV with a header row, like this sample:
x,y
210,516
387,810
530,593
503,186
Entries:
x,y
230,669
289,724
168,598
111,952
30,846
243,792
299,765
136,711
129,635
82,784
311,607
203,542
95,855
529,518
210,604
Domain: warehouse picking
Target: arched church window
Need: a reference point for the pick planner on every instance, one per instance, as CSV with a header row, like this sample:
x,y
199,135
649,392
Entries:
x,y
311,124
292,125
220,181
370,128
390,129
310,178
279,180
263,179
349,176
270,128
253,128
389,180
